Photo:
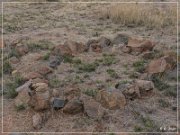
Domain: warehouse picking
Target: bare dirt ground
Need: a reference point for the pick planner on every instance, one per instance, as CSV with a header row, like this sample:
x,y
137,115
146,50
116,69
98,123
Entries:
x,y
55,23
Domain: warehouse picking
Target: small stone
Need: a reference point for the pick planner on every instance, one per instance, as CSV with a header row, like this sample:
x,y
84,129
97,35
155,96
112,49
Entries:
x,y
37,121
62,50
55,61
74,106
96,48
58,103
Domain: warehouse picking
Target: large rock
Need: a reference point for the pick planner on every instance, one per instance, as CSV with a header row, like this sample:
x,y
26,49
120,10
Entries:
x,y
92,108
21,50
75,47
140,45
74,106
160,65
37,121
111,99
41,96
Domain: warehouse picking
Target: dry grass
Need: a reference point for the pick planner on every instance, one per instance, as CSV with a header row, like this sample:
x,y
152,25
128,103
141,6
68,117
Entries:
x,y
149,15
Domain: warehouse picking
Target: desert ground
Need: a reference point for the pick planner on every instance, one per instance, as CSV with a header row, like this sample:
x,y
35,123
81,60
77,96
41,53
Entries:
x,y
100,68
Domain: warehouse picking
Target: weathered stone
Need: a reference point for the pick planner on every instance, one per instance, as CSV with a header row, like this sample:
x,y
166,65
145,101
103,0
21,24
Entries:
x,y
144,85
75,47
21,50
37,121
31,75
23,98
160,65
40,87
140,45
62,50
71,92
13,60
55,61
74,106
58,103
24,87
121,39
111,99
92,108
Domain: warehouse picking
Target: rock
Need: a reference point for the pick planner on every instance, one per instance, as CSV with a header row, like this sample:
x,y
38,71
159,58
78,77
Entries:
x,y
74,106
31,75
24,87
44,70
22,99
71,92
55,61
75,47
111,99
13,60
58,103
89,43
144,85
122,86
55,93
160,65
37,121
121,39
138,89
62,50
41,96
104,42
92,108
21,50
139,45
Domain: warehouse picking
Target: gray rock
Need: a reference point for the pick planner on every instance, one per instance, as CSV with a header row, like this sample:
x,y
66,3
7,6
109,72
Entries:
x,y
54,61
58,103
25,86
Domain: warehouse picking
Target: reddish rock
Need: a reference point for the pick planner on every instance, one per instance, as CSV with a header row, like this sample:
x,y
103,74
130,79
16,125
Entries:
x,y
32,75
71,92
44,70
74,106
160,65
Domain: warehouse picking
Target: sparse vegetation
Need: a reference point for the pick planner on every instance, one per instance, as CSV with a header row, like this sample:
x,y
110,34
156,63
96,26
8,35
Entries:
x,y
159,84
11,85
109,59
139,66
7,67
163,103
39,45
55,82
90,92
46,56
112,73
87,67
138,128
20,107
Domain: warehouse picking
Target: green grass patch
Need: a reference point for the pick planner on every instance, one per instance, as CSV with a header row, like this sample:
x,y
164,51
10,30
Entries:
x,y
87,67
7,69
109,59
90,92
112,73
20,107
46,56
55,83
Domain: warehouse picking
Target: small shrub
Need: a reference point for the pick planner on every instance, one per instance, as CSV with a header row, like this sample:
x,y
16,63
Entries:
x,y
90,92
109,59
7,67
77,79
55,82
11,85
138,128
112,73
46,56
87,67
20,107
159,84
149,125
77,61
39,45
171,91
67,59
139,66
